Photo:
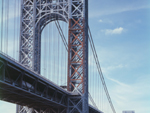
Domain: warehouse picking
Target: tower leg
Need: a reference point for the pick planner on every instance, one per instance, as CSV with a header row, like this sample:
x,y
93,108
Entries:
x,y
78,56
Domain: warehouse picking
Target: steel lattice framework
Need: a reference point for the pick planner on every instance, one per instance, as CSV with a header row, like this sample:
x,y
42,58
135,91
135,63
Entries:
x,y
78,56
35,15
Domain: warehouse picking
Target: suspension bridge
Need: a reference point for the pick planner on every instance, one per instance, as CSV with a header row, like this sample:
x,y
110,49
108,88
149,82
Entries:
x,y
48,61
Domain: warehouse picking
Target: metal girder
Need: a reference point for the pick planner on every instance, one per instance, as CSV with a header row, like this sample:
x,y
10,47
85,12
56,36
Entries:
x,y
14,90
21,86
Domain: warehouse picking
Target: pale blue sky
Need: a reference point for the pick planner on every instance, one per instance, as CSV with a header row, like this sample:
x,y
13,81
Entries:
x,y
120,30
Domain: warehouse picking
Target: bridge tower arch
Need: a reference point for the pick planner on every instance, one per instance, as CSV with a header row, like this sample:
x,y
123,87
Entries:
x,y
75,13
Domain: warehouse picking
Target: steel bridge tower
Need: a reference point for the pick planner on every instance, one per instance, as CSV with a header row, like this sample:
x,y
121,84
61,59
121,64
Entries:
x,y
35,15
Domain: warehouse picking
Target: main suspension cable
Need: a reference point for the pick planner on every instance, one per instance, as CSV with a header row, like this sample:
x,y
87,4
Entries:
x,y
99,70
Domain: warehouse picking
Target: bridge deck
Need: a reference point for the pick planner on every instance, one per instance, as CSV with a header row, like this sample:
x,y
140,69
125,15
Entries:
x,y
22,86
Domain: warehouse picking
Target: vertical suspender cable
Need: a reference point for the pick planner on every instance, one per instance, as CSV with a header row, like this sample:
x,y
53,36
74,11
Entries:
x,y
7,26
64,41
102,99
54,37
52,73
18,25
97,88
45,38
2,27
43,45
57,51
90,70
5,34
49,61
47,51
4,23
90,79
66,60
46,29
99,93
39,42
61,58
54,50
61,47
14,29
95,81
44,48
93,75
58,56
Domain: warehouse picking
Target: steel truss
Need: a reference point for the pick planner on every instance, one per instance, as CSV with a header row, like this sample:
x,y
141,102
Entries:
x,y
35,15
17,86
24,87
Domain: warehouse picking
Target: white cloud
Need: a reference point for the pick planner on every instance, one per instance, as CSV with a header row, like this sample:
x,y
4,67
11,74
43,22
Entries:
x,y
108,69
100,20
113,31
118,82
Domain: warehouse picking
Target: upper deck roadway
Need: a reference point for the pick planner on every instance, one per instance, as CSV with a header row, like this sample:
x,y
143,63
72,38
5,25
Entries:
x,y
23,86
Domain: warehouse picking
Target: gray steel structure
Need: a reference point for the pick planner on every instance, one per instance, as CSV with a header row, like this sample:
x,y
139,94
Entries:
x,y
35,15
78,56
20,85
